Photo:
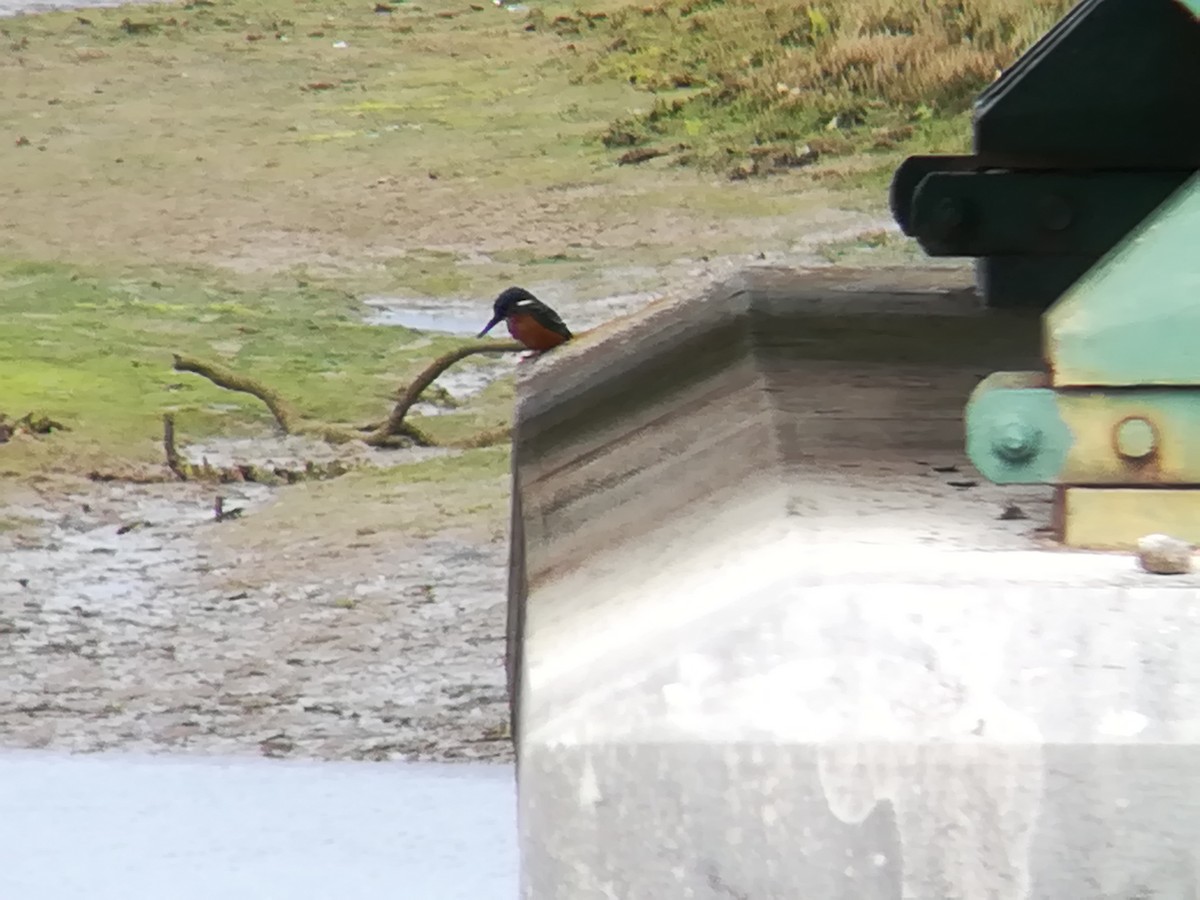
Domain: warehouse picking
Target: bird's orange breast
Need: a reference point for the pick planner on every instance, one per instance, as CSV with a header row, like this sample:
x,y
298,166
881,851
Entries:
x,y
532,333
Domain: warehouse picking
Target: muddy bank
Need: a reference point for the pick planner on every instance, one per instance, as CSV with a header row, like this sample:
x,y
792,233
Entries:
x,y
131,620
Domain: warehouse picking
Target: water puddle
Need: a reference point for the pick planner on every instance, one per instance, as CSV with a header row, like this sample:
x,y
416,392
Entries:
x,y
460,317
294,451
427,314
117,548
596,312
133,619
18,7
111,827
466,378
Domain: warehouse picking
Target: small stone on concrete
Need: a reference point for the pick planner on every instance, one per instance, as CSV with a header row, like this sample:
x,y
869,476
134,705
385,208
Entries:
x,y
1161,554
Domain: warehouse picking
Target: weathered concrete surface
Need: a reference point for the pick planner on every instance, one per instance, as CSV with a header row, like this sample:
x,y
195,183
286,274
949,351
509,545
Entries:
x,y
764,648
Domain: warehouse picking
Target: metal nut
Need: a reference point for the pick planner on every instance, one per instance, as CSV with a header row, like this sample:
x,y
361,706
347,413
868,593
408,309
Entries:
x,y
949,218
1016,441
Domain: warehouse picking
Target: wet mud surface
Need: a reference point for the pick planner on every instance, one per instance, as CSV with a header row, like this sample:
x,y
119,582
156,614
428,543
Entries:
x,y
130,619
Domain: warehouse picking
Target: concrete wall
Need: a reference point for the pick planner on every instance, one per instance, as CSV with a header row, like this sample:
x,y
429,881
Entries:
x,y
763,648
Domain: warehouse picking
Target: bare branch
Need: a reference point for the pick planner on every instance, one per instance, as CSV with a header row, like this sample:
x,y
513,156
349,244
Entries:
x,y
232,381
411,394
395,430
174,460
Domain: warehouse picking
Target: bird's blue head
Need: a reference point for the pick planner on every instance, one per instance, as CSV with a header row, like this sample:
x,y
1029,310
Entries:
x,y
504,304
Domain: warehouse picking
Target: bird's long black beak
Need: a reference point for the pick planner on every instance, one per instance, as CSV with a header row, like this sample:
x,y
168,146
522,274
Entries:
x,y
490,325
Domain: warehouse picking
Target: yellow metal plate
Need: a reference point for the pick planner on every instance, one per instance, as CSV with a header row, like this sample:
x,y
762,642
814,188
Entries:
x,y
1169,424
1115,518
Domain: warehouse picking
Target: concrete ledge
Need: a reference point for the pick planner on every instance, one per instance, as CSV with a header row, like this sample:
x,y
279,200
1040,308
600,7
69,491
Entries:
x,y
762,647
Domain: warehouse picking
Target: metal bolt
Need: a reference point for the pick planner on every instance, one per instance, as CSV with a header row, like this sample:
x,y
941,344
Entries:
x,y
1015,441
949,217
1135,438
1056,212
950,212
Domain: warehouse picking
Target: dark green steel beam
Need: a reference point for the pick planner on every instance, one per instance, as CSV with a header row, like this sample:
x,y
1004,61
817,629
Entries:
x,y
1112,85
1033,213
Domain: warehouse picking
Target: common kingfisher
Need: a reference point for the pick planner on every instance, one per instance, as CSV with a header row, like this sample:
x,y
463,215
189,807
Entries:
x,y
529,320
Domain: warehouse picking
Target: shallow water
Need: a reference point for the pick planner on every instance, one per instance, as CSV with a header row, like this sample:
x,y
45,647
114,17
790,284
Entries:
x,y
122,827
295,451
12,7
459,317
427,315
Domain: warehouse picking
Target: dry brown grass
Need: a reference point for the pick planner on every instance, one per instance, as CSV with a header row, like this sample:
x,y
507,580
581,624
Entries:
x,y
915,51
731,74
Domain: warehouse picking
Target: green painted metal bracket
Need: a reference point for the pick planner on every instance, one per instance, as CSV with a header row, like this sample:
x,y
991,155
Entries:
x,y
1120,404
1019,431
1014,432
1134,318
1193,5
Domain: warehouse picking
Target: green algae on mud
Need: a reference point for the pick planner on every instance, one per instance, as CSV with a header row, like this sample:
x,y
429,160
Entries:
x,y
93,348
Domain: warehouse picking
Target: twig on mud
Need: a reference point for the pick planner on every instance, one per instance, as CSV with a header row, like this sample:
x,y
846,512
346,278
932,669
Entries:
x,y
29,423
220,513
392,431
183,470
174,460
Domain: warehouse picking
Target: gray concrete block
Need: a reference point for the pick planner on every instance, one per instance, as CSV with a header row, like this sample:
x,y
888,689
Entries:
x,y
765,644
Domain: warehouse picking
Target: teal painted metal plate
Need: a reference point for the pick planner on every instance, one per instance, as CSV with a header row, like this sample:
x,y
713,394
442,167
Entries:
x,y
1015,434
1193,5
1134,318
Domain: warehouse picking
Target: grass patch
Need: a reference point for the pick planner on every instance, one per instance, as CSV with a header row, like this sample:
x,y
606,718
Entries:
x,y
872,248
92,348
527,257
261,135
226,177
430,274
841,77
304,126
468,491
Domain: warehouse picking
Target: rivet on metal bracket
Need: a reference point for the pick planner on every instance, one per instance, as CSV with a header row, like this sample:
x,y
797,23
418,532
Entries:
x,y
1135,438
949,217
